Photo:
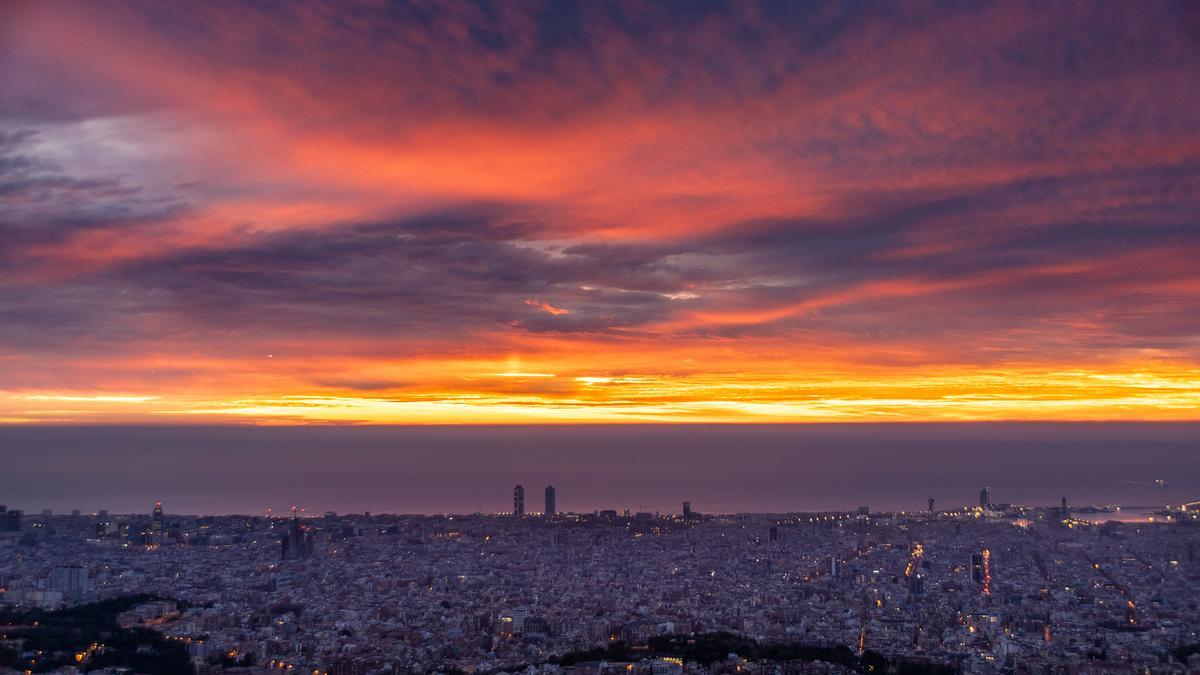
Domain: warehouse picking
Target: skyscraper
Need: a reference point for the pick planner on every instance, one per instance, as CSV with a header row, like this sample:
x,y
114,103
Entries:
x,y
297,543
981,570
987,571
985,498
687,510
519,500
931,504
158,517
551,507
72,580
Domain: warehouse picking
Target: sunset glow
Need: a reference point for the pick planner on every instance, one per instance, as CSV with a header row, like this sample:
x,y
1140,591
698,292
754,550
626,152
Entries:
x,y
265,214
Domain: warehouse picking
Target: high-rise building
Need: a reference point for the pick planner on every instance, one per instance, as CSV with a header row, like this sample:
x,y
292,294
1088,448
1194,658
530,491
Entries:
x,y
12,520
985,498
519,500
981,570
1064,512
551,507
931,505
519,615
773,533
687,510
987,572
157,517
72,580
297,543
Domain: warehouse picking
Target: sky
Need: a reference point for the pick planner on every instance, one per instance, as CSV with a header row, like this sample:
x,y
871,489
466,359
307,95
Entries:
x,y
547,212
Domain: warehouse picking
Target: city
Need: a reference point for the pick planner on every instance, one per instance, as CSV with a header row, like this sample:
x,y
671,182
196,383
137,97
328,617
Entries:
x,y
599,337
990,588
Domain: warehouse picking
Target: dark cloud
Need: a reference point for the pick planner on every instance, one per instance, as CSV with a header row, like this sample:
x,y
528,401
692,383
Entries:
x,y
1001,176
479,265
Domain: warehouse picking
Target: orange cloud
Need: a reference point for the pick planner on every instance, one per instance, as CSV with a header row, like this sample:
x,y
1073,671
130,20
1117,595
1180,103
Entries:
x,y
961,214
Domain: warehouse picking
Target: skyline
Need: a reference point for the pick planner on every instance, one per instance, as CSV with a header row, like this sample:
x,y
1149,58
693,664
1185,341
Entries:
x,y
598,212
718,468
596,337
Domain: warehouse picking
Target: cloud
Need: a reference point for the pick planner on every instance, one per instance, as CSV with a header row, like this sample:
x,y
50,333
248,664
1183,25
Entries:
x,y
547,307
753,187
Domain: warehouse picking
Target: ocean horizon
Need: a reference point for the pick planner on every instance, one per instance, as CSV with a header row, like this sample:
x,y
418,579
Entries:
x,y
719,468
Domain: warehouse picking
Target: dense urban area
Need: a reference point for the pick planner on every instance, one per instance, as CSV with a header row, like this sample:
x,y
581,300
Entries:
x,y
993,588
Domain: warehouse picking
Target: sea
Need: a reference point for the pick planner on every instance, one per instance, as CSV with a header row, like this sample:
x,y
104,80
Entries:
x,y
718,468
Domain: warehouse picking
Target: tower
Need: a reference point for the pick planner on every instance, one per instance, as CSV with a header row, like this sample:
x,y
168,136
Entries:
x,y
1064,512
519,500
987,571
931,504
981,570
297,541
551,507
687,510
985,498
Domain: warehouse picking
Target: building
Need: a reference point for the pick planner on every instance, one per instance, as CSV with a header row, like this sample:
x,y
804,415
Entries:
x,y
297,541
981,570
72,580
519,616
985,498
519,500
12,520
916,584
687,510
551,507
931,509
157,519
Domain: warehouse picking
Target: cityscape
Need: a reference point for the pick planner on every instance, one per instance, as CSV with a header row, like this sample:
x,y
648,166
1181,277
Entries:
x,y
599,337
984,588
